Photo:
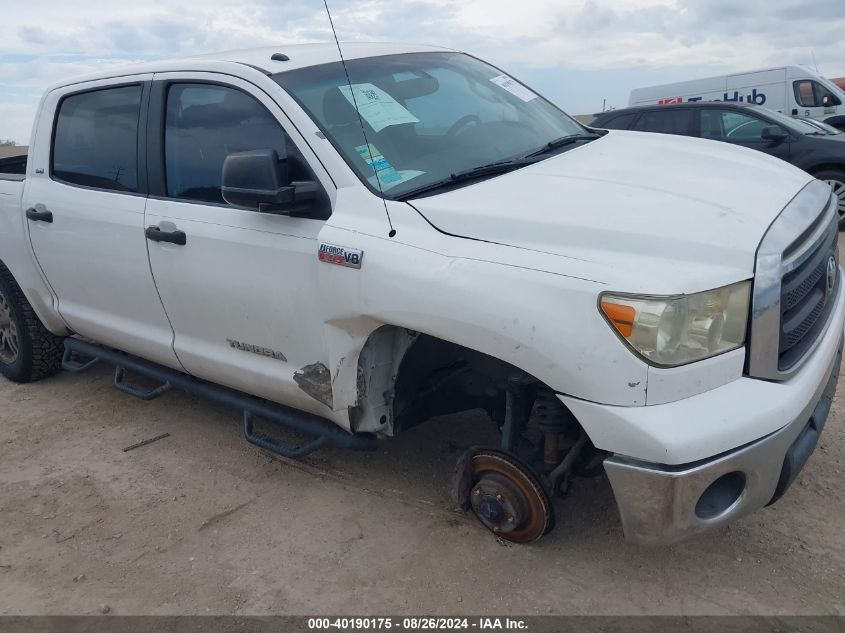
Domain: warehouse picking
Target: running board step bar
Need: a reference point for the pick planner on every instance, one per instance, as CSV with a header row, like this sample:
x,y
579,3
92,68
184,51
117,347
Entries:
x,y
321,430
274,444
138,392
75,362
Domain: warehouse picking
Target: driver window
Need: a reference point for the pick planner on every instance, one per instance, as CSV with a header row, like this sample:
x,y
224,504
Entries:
x,y
811,94
204,124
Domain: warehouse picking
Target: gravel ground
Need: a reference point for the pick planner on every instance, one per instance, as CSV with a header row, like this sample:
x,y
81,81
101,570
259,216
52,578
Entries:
x,y
201,522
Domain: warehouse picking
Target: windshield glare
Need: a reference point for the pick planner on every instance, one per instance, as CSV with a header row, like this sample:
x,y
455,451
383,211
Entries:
x,y
821,125
426,116
796,125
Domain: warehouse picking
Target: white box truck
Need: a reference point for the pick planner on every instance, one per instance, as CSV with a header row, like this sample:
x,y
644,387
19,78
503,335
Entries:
x,y
792,90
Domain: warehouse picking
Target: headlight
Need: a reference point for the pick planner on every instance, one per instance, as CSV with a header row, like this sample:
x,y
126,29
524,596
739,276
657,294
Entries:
x,y
672,331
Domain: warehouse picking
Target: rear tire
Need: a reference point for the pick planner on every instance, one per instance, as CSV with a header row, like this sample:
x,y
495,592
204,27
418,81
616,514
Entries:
x,y
28,351
836,179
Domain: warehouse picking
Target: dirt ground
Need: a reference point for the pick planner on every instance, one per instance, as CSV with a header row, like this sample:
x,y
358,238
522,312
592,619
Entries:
x,y
202,522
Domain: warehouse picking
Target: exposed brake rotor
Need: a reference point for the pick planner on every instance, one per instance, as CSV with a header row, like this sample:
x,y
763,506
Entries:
x,y
507,497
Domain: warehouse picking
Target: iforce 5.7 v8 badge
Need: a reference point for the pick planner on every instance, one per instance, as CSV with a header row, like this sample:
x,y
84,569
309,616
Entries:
x,y
340,255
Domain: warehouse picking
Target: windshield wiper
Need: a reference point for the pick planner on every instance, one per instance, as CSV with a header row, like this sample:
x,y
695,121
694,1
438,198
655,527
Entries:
x,y
499,167
562,142
490,169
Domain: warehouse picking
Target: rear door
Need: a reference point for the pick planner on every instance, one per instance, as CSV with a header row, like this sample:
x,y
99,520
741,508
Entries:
x,y
85,205
242,290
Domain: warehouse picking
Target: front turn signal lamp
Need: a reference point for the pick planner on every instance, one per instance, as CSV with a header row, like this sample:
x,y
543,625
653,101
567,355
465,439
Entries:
x,y
677,330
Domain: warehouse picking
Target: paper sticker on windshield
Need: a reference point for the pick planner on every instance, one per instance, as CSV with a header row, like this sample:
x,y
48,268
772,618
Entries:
x,y
514,87
377,107
389,178
386,175
373,157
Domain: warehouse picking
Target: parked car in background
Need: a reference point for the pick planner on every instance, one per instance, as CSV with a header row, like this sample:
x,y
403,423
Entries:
x,y
814,146
791,90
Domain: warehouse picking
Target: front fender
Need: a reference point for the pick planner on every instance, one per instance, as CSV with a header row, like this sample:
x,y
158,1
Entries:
x,y
546,324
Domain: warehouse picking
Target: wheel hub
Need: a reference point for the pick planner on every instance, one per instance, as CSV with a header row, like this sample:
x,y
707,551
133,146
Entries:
x,y
508,499
498,503
9,342
839,191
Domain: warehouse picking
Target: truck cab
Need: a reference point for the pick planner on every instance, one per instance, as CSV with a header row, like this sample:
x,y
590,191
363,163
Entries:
x,y
349,247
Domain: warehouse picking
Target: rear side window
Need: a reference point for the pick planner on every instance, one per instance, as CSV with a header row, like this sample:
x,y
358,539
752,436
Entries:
x,y
204,124
668,121
621,122
96,139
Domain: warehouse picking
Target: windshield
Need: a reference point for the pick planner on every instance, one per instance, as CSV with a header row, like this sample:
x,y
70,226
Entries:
x,y
796,125
821,125
427,116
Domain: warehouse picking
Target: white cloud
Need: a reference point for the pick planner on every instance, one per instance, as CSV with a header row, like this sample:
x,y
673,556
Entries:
x,y
576,44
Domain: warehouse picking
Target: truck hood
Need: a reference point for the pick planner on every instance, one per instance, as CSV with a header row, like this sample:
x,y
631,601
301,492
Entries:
x,y
628,197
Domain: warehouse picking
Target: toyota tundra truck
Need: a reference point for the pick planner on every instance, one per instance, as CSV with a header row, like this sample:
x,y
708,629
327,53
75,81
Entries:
x,y
344,248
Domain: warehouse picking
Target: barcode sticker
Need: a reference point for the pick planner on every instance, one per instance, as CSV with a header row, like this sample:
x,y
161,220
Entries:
x,y
377,107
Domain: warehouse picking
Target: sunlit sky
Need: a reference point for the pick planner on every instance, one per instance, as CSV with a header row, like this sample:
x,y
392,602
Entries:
x,y
576,53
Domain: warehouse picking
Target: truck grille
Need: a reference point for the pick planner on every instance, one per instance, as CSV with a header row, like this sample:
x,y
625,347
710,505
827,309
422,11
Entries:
x,y
805,304
796,278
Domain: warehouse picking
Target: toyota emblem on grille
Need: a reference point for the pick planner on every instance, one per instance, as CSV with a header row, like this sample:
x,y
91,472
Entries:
x,y
831,278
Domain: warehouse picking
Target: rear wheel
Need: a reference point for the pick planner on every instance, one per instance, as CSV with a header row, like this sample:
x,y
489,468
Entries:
x,y
28,351
836,180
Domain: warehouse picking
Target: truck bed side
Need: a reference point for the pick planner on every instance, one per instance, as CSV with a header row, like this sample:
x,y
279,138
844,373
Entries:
x,y
13,167
16,251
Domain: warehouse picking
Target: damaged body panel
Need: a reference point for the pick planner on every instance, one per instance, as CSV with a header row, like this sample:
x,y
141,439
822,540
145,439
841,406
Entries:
x,y
316,381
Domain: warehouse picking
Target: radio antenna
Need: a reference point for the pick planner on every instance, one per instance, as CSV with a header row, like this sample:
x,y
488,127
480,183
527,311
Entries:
x,y
360,119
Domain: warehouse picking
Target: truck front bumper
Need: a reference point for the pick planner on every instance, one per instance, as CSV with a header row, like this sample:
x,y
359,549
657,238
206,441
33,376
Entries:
x,y
662,504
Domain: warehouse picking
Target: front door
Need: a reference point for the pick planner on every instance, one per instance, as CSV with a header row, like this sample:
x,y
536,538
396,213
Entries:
x,y
813,100
741,128
242,290
85,205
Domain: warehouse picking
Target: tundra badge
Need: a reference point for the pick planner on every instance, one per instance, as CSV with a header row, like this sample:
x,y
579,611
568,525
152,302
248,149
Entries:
x,y
331,254
256,349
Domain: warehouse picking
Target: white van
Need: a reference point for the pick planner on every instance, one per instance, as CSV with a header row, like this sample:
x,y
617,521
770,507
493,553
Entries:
x,y
792,90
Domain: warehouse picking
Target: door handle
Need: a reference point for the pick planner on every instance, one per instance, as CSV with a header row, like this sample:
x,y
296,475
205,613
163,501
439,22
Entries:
x,y
155,234
39,216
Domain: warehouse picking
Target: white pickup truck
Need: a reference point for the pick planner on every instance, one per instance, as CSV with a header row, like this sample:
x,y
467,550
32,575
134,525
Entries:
x,y
350,250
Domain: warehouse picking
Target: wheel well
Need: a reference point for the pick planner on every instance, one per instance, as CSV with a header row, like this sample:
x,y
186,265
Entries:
x,y
406,378
438,377
4,270
827,166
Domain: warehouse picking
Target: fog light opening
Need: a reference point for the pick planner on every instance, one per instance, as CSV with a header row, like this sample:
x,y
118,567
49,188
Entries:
x,y
720,496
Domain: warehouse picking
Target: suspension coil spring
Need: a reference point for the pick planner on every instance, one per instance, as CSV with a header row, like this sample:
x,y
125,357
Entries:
x,y
552,419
